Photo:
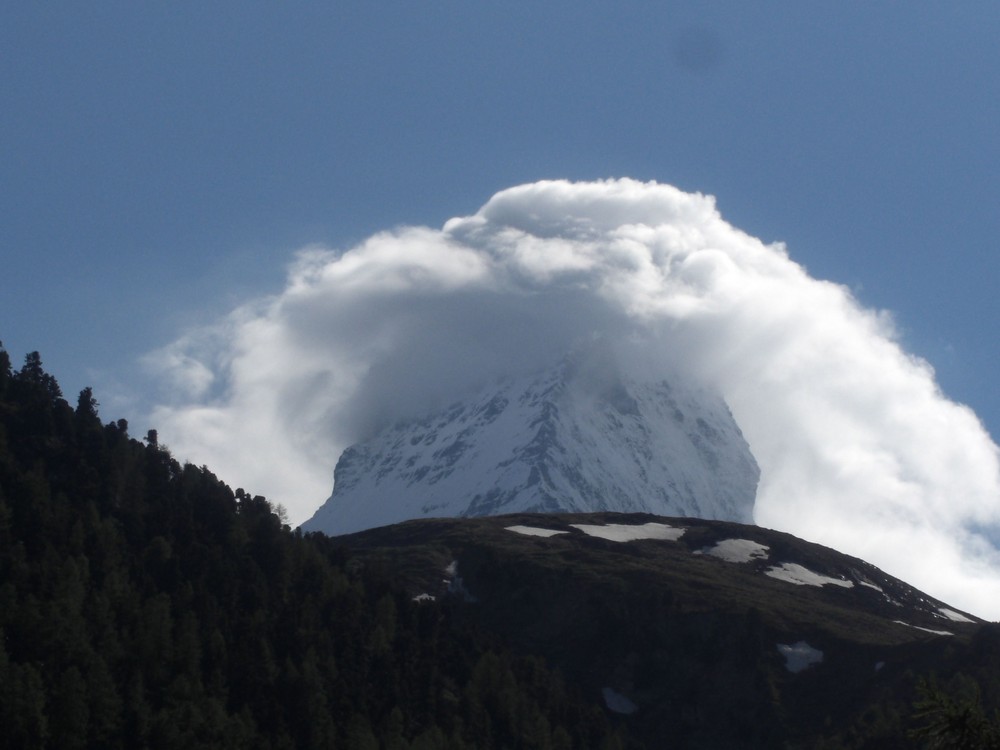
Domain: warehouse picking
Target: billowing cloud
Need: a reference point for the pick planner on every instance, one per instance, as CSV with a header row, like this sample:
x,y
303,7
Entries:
x,y
857,446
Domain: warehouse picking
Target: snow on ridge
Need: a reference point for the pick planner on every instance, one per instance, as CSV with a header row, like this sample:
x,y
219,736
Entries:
x,y
737,550
799,656
533,531
953,615
618,532
801,576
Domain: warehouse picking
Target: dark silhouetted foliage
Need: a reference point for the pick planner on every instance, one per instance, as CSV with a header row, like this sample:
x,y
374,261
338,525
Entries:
x,y
144,604
954,722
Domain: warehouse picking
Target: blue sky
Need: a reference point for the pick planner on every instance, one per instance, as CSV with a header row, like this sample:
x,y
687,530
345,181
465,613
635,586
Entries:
x,y
162,162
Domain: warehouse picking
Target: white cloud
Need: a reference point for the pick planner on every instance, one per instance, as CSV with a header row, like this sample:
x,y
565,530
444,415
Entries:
x,y
183,372
858,448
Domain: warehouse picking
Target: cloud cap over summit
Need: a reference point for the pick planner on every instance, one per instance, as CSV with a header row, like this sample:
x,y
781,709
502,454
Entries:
x,y
858,448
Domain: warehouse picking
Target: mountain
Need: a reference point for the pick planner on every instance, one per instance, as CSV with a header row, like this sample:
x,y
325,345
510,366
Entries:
x,y
709,633
145,604
578,437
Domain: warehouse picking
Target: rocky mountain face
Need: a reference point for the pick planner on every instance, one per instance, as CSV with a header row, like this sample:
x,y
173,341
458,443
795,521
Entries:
x,y
711,634
573,439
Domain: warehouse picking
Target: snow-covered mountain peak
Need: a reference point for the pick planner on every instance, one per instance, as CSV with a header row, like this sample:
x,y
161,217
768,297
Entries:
x,y
578,437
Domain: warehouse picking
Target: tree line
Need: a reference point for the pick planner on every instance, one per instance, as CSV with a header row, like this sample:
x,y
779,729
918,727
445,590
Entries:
x,y
146,604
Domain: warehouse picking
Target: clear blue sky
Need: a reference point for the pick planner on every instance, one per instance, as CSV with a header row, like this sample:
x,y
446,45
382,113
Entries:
x,y
161,162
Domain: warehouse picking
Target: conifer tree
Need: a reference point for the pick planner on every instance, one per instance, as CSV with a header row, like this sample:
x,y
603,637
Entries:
x,y
5,373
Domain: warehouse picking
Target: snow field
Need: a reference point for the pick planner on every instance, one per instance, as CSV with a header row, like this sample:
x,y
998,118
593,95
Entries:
x,y
799,656
953,615
617,532
533,531
801,576
737,550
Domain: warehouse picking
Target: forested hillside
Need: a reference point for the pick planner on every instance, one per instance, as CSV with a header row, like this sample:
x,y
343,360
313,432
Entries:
x,y
143,603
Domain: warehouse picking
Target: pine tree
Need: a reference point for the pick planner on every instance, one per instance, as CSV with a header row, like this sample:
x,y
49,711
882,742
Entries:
x,y
954,723
70,714
5,373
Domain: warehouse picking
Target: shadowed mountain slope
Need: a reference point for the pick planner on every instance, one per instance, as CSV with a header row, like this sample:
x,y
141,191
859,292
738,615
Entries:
x,y
715,634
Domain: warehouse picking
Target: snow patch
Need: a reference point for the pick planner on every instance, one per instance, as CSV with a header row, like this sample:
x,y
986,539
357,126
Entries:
x,y
870,585
533,531
617,702
424,598
953,615
619,532
926,630
799,656
737,550
455,583
800,576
